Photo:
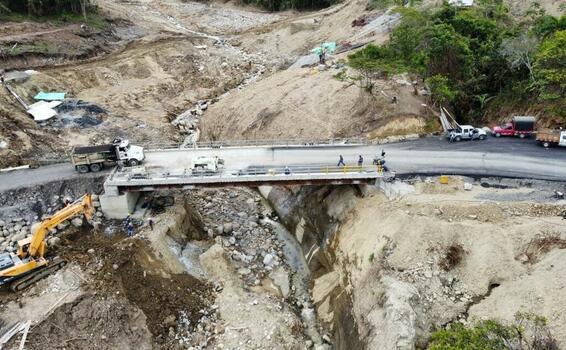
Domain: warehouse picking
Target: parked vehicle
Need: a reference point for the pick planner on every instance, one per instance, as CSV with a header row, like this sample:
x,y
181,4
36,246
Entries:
x,y
93,158
204,164
549,137
522,126
466,132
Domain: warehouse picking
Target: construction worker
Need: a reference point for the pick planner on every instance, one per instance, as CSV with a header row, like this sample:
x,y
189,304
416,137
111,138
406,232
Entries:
x,y
341,161
127,221
130,229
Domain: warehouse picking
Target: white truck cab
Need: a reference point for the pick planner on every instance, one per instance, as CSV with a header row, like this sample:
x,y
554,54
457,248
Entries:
x,y
129,154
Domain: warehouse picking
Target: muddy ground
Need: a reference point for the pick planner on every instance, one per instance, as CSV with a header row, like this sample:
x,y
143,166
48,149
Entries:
x,y
128,299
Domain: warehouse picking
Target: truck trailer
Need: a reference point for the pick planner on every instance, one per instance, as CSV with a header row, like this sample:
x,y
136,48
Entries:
x,y
94,158
549,137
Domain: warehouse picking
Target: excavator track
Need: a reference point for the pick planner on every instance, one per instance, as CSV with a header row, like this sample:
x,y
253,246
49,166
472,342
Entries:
x,y
28,280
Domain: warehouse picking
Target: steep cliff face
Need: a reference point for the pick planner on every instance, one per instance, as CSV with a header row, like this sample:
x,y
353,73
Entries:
x,y
314,215
388,272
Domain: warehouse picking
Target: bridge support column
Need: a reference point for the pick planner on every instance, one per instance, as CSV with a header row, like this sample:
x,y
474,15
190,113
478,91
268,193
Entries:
x,y
118,206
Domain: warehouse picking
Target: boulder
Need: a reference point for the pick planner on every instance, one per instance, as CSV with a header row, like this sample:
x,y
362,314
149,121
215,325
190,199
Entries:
x,y
63,225
77,222
244,271
54,241
280,278
17,237
228,228
268,259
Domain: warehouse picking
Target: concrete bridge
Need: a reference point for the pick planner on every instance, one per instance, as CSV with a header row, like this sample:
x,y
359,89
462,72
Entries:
x,y
282,163
314,162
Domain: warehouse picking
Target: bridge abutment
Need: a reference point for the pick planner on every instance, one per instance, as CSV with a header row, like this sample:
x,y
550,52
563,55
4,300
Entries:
x,y
118,206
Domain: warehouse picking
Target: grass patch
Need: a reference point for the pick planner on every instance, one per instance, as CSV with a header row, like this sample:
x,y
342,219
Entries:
x,y
39,47
94,20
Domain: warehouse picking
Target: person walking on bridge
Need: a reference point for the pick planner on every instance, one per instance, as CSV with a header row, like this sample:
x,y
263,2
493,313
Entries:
x,y
341,161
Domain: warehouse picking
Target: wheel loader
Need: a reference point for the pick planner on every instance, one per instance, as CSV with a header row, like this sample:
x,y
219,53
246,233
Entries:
x,y
29,264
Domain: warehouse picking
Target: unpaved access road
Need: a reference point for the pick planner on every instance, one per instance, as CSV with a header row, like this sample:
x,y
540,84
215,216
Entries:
x,y
500,158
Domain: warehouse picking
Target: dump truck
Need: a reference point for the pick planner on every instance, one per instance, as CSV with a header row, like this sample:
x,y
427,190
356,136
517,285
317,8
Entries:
x,y
549,137
94,158
521,126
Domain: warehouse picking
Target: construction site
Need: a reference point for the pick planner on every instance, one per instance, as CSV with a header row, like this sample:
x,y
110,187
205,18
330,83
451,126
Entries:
x,y
212,175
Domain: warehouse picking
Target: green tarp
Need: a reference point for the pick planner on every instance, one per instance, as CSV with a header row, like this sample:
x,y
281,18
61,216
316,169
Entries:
x,y
329,47
50,96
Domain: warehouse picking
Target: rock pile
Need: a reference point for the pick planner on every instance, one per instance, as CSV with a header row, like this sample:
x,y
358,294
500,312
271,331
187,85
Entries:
x,y
11,231
14,229
188,121
240,224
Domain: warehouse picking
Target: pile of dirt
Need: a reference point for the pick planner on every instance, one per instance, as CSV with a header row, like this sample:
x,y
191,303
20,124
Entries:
x,y
128,269
93,321
304,102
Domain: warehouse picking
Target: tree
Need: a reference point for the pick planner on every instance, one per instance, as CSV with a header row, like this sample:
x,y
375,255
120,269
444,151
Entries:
x,y
550,66
528,331
47,7
546,25
520,51
441,92
372,62
448,52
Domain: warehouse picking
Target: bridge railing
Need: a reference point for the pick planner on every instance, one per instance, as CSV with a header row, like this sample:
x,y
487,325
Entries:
x,y
130,174
261,142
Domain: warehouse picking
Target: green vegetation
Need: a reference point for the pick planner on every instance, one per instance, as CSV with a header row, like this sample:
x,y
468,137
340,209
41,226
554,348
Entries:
x,y
383,4
279,5
472,58
58,9
527,332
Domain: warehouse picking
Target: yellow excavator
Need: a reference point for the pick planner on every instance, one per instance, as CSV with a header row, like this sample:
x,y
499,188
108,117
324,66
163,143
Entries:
x,y
29,264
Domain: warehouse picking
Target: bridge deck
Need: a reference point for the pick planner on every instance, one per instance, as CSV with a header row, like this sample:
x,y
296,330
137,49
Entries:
x,y
251,177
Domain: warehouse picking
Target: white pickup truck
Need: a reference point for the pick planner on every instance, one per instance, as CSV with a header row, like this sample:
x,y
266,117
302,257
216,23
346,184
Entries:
x,y
206,165
466,132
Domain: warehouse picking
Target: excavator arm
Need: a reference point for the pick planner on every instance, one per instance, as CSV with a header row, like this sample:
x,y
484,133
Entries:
x,y
36,246
29,265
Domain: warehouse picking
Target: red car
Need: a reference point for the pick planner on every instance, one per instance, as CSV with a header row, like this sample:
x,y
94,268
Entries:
x,y
518,126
